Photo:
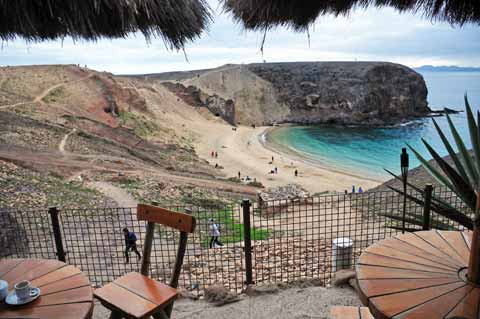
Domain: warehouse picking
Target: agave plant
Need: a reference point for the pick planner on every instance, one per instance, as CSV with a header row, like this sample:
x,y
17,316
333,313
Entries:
x,y
462,178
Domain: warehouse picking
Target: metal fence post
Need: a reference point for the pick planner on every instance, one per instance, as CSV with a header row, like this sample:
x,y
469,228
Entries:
x,y
246,204
426,207
61,255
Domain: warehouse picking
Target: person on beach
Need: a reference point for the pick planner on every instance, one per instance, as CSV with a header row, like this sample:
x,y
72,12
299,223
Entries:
x,y
216,155
213,154
296,173
276,170
360,190
272,159
239,175
353,189
130,244
214,234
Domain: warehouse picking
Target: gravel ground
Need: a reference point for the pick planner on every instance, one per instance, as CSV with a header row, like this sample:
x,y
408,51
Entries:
x,y
292,303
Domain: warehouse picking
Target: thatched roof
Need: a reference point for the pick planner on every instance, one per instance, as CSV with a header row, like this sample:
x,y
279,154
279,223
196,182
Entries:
x,y
299,14
176,21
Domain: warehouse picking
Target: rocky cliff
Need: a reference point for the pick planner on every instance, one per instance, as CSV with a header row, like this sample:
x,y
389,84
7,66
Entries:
x,y
361,93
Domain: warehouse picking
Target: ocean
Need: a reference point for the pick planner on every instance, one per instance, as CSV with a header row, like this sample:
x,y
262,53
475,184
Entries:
x,y
367,151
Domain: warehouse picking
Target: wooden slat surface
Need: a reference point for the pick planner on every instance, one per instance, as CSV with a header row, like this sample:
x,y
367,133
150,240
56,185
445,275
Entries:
x,y
434,239
402,246
145,295
349,312
378,260
378,287
440,308
120,298
66,292
468,307
158,293
399,277
382,250
182,222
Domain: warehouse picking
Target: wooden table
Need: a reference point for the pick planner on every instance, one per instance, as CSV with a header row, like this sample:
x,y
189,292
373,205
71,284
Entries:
x,y
65,291
418,275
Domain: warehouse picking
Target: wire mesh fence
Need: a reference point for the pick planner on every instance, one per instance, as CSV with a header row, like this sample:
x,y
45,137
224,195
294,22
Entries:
x,y
271,242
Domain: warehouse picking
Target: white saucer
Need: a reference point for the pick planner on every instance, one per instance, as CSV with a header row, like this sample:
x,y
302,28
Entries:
x,y
13,300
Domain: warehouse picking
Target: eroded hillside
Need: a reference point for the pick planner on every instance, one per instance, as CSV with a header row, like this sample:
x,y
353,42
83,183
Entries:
x,y
76,126
360,93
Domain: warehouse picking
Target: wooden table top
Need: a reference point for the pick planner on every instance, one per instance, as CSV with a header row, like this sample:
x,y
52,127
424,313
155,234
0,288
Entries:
x,y
65,291
418,275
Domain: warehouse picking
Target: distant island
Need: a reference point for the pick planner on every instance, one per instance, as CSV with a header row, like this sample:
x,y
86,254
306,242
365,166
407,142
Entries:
x,y
452,68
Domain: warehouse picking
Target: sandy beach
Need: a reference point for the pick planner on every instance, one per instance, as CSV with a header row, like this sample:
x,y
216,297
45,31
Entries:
x,y
242,150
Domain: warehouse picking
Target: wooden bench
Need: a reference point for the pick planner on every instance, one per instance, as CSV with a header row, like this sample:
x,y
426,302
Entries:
x,y
343,312
135,295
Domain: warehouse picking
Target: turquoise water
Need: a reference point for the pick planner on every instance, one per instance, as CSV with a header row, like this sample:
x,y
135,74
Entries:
x,y
366,151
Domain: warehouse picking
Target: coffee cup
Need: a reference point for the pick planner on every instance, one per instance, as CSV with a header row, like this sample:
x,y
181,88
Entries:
x,y
3,289
23,289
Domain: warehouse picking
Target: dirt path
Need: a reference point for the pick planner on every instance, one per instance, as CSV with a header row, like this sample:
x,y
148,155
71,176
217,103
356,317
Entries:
x,y
2,80
293,303
63,142
39,98
120,196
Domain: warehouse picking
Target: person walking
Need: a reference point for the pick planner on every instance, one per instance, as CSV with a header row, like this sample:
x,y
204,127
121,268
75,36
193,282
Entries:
x,y
214,233
276,170
239,175
130,244
296,173
216,154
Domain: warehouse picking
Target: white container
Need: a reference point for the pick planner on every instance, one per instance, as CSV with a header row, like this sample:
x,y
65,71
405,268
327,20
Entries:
x,y
3,290
342,250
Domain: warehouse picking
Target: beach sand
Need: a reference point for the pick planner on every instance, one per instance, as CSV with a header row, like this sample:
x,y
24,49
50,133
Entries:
x,y
243,151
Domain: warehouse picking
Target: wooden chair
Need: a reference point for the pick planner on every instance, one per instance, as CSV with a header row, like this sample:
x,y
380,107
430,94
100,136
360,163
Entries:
x,y
136,295
343,312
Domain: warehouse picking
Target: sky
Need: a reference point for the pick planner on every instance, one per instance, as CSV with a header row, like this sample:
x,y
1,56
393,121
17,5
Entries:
x,y
365,35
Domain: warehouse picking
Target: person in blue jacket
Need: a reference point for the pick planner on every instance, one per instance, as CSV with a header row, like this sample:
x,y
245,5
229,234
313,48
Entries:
x,y
130,244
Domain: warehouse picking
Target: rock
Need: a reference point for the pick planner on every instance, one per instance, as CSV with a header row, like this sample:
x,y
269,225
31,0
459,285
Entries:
x,y
221,107
192,95
13,238
219,295
353,283
252,290
185,294
275,200
344,93
342,277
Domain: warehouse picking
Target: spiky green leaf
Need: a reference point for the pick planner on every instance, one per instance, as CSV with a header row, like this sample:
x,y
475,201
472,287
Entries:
x,y
432,170
451,152
439,200
464,155
473,129
452,214
461,187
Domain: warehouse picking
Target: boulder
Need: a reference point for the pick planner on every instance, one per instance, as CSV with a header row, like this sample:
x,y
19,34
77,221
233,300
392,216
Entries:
x,y
218,295
252,290
344,93
13,238
342,277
